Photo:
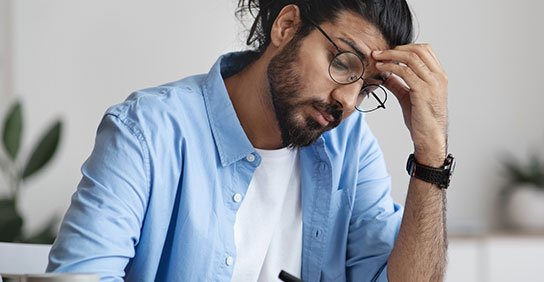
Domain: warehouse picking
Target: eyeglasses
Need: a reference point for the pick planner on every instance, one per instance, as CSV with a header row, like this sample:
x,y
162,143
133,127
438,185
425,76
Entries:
x,y
346,68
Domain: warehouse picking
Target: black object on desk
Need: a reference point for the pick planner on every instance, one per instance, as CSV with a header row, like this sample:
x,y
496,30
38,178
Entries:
x,y
286,277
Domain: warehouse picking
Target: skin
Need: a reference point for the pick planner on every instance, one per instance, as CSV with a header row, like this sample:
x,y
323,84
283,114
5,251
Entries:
x,y
420,85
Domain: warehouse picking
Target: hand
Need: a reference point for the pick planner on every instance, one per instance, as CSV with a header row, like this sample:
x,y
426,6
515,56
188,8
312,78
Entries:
x,y
421,86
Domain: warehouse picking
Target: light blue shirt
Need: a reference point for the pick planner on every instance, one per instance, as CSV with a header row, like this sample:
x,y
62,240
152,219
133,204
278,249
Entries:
x,y
156,201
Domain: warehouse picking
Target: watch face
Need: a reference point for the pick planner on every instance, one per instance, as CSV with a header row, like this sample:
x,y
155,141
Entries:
x,y
410,165
450,167
451,164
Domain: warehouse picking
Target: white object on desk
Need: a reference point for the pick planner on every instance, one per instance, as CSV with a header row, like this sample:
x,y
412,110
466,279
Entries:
x,y
496,257
16,258
61,277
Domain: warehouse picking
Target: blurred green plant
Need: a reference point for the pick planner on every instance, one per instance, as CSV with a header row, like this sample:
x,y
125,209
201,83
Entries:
x,y
529,172
15,171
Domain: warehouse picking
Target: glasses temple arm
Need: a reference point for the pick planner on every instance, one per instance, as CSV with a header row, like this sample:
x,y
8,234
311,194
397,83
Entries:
x,y
382,104
322,32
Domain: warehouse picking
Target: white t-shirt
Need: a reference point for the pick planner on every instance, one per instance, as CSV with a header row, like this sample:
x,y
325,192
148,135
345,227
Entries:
x,y
268,227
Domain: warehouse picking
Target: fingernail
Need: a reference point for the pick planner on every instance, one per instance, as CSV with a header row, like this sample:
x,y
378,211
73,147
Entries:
x,y
379,64
377,52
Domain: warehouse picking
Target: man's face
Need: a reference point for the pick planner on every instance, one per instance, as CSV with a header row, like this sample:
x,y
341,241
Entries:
x,y
307,101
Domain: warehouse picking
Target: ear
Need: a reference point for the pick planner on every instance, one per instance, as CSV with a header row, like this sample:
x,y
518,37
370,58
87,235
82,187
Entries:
x,y
285,26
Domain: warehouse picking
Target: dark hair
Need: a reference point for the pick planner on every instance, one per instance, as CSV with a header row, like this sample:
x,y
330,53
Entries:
x,y
391,17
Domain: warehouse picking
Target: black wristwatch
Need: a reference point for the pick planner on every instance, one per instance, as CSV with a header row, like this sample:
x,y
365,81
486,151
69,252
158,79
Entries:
x,y
440,176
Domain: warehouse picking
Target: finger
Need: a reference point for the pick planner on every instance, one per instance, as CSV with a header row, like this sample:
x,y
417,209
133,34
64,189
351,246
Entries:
x,y
407,74
396,85
426,53
400,89
409,58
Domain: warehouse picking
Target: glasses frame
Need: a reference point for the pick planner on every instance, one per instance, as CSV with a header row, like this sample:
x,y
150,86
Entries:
x,y
381,104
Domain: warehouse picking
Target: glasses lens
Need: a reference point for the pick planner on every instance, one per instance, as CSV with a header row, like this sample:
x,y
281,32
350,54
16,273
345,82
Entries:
x,y
346,67
371,98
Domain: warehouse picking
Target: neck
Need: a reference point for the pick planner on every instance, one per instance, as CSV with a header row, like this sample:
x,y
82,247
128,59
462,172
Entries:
x,y
250,95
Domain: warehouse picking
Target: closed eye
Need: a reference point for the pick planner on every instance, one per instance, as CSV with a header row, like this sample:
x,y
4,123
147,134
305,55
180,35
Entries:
x,y
339,65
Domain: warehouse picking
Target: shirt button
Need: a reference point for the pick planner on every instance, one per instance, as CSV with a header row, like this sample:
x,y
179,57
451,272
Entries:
x,y
229,261
237,198
250,158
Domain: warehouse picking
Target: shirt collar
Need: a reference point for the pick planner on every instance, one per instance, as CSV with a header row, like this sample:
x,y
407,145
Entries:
x,y
230,139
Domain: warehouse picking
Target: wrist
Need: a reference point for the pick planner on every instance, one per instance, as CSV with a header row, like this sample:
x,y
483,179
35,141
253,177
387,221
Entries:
x,y
432,149
432,160
431,156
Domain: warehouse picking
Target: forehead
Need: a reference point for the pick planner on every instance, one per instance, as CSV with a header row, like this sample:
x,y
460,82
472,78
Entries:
x,y
351,26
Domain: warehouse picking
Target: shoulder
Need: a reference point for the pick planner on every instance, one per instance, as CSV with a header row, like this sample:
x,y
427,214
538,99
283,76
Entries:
x,y
163,107
170,97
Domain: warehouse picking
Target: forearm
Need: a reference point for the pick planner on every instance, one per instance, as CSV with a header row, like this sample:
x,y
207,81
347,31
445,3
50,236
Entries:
x,y
420,249
421,87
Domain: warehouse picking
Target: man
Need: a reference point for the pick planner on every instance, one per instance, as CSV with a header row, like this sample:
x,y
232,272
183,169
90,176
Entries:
x,y
266,163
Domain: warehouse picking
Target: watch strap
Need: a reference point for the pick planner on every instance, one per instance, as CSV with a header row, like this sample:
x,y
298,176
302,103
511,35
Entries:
x,y
439,176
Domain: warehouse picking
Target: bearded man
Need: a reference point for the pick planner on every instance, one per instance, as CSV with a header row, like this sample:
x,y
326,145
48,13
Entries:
x,y
266,163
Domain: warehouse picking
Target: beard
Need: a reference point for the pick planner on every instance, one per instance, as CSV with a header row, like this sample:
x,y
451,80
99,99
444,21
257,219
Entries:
x,y
285,84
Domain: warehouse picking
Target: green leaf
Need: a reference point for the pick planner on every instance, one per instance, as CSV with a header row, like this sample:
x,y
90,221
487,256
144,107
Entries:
x,y
11,223
44,151
529,172
13,127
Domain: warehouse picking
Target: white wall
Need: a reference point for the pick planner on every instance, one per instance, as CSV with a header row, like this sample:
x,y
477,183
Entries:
x,y
5,57
5,67
73,59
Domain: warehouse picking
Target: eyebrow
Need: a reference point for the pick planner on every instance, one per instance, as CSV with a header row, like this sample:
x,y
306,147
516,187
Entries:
x,y
382,76
355,48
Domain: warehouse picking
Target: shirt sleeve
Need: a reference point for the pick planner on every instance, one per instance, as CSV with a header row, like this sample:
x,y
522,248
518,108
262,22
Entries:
x,y
376,218
102,225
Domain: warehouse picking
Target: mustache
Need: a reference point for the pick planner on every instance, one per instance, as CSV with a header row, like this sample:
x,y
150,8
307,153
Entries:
x,y
335,110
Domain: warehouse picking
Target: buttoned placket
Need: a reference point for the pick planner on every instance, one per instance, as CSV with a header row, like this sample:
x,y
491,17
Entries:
x,y
242,172
316,208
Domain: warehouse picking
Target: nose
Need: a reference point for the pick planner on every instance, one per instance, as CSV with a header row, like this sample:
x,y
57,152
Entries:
x,y
347,95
